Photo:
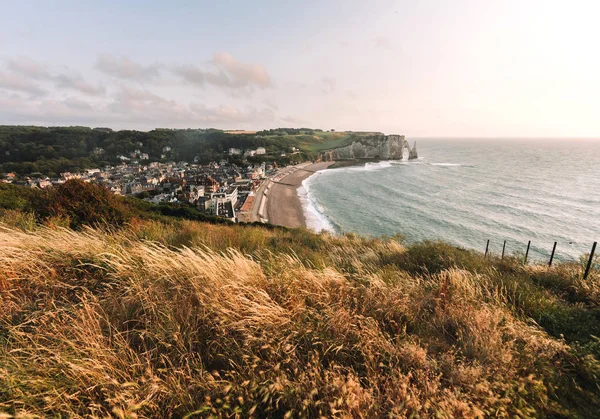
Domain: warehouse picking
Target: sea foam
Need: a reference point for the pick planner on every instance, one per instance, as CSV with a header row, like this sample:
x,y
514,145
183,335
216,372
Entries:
x,y
313,213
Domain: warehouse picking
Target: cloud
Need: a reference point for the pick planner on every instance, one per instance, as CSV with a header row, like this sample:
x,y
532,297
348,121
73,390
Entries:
x,y
240,73
226,72
36,93
232,115
25,75
18,83
46,111
126,69
64,81
77,104
134,101
129,108
27,67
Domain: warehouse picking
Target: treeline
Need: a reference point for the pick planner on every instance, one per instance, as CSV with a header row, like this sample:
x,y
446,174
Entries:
x,y
49,151
289,131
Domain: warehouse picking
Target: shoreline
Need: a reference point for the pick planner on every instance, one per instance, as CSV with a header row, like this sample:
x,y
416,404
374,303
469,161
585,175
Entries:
x,y
284,206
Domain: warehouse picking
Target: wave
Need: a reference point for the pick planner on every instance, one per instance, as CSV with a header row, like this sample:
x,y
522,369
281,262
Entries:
x,y
313,213
446,164
369,167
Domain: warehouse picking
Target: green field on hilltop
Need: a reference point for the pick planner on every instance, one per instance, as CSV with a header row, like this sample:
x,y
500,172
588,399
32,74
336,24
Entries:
x,y
324,141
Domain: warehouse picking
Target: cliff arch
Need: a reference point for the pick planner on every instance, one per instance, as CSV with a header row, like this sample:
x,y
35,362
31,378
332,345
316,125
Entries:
x,y
385,147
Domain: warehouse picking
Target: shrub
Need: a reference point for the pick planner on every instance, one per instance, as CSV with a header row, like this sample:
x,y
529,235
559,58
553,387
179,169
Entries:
x,y
83,203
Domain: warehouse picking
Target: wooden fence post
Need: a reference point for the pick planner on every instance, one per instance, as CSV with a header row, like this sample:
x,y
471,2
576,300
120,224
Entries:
x,y
552,255
527,252
589,264
487,246
503,248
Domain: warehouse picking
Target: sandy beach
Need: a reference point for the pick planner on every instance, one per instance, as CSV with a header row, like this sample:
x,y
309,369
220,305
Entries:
x,y
283,204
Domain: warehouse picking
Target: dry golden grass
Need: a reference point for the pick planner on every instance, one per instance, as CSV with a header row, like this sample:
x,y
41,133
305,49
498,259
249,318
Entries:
x,y
202,320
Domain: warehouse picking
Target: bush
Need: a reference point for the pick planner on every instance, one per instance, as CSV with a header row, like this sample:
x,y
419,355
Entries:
x,y
84,203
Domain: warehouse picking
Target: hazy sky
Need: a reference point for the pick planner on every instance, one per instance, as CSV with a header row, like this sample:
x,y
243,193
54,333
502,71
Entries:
x,y
420,68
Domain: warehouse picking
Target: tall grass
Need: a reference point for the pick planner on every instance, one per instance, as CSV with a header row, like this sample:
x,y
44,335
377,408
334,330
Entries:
x,y
200,320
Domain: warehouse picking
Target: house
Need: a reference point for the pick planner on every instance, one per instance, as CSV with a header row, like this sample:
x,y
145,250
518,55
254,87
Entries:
x,y
252,174
195,193
42,183
261,150
234,151
210,185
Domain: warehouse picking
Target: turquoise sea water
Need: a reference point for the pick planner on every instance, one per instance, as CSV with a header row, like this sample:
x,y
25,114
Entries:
x,y
469,191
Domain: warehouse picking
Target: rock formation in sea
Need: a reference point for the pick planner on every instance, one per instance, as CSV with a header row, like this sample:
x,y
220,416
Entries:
x,y
385,147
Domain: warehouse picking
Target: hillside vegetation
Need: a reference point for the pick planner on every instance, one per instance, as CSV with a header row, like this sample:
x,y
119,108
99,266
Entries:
x,y
191,319
76,203
32,150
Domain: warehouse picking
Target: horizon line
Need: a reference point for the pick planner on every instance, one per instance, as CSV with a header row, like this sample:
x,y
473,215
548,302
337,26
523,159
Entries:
x,y
426,137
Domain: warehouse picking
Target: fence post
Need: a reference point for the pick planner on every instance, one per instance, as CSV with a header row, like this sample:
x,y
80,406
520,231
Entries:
x,y
503,247
589,264
487,246
552,255
527,252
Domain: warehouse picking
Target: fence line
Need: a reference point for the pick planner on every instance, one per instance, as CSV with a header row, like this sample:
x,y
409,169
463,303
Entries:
x,y
587,268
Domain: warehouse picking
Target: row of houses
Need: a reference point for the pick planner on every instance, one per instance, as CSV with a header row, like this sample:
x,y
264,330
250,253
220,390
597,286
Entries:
x,y
218,188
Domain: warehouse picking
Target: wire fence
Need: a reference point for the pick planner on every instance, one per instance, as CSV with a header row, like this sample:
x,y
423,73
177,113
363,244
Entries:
x,y
588,267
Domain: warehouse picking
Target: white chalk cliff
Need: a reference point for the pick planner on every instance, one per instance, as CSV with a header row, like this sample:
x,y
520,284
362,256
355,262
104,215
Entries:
x,y
384,147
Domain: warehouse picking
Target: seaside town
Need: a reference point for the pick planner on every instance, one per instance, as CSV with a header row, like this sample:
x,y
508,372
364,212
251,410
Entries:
x,y
221,189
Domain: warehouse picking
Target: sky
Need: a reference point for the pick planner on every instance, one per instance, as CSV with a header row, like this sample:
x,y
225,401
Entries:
x,y
428,68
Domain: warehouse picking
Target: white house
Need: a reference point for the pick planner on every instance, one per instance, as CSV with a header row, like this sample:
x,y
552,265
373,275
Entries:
x,y
261,150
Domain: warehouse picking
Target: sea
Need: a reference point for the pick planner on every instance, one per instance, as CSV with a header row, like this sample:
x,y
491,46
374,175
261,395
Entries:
x,y
469,191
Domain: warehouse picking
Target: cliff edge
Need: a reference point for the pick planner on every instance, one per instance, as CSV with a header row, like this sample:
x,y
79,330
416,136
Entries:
x,y
385,147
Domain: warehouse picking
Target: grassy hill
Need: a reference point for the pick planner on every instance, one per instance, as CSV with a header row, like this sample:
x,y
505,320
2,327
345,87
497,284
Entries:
x,y
322,141
174,317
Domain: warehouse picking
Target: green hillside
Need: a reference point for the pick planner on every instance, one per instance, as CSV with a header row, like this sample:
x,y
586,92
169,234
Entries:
x,y
53,150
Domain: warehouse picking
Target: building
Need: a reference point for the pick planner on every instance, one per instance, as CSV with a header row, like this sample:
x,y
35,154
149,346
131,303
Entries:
x,y
220,204
261,150
235,151
230,194
210,185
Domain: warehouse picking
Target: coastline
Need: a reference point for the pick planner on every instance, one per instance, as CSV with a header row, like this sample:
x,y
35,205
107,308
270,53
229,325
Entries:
x,y
284,206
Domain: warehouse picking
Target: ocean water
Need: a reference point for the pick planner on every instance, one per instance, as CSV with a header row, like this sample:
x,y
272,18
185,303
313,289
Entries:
x,y
468,191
